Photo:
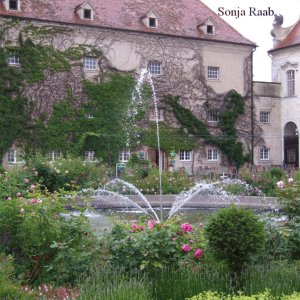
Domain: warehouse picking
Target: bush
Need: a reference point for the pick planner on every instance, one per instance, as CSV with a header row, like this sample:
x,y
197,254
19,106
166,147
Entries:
x,y
47,247
154,245
234,236
262,296
172,182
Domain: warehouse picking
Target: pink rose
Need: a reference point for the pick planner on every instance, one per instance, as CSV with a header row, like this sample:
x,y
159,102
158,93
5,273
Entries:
x,y
186,227
151,224
26,180
135,226
18,194
198,253
33,201
185,248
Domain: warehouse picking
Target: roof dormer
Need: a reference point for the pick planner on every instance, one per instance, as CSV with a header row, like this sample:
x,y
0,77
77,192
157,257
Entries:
x,y
12,5
208,27
150,20
85,11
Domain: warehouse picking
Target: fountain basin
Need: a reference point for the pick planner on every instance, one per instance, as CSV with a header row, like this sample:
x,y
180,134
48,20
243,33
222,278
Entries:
x,y
198,201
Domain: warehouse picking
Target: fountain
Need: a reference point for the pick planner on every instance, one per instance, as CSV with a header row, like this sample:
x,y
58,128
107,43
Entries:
x,y
114,190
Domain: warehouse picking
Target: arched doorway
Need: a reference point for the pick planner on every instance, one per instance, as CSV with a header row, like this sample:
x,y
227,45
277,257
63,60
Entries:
x,y
291,145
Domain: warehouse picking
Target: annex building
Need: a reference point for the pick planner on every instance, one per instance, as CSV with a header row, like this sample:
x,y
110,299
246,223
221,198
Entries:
x,y
191,53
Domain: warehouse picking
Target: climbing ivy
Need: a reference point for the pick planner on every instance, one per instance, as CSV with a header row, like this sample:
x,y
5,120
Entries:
x,y
227,141
171,139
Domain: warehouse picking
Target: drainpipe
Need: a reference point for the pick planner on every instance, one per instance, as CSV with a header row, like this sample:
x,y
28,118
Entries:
x,y
252,111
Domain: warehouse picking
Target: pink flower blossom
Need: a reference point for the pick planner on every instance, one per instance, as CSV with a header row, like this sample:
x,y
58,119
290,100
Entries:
x,y
18,194
26,180
135,226
174,238
33,186
290,180
191,241
185,248
198,253
151,224
33,201
186,227
280,184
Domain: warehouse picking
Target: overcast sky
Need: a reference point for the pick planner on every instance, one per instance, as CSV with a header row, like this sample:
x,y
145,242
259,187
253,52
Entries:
x,y
257,28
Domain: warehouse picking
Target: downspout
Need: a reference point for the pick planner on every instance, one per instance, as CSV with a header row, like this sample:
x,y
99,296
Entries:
x,y
252,111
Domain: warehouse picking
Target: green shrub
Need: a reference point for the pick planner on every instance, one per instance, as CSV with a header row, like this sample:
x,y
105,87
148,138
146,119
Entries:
x,y
154,245
47,246
234,236
262,296
293,230
147,180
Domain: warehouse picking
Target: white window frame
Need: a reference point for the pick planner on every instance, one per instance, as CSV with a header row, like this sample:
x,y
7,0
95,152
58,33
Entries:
x,y
212,154
124,156
89,116
264,117
90,156
290,83
264,154
13,58
90,63
54,155
213,116
13,157
213,73
155,67
185,155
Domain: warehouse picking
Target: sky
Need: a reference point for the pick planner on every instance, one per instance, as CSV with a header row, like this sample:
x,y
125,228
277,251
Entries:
x,y
257,28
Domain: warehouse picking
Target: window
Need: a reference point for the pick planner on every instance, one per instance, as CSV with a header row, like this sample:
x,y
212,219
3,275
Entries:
x,y
13,156
13,5
152,22
90,156
54,155
89,116
212,116
124,156
90,63
212,154
209,29
13,58
264,154
264,117
185,155
87,14
290,80
154,67
213,72
160,115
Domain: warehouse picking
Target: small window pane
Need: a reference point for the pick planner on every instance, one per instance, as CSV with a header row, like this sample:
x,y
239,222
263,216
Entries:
x,y
154,67
213,116
90,156
213,73
152,22
13,58
185,155
209,29
264,117
54,155
290,83
212,154
124,156
90,63
13,5
87,14
264,154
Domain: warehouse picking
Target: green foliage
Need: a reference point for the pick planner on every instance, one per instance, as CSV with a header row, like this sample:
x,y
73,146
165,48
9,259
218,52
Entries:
x,y
170,139
293,233
154,246
261,296
147,180
47,246
227,142
235,236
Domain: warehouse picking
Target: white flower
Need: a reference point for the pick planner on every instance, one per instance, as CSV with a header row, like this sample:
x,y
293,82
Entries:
x,y
280,184
290,180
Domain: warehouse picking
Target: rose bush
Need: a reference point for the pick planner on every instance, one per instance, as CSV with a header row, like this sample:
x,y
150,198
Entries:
x,y
151,245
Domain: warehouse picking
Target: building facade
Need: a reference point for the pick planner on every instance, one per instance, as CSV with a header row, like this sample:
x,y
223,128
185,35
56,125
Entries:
x,y
190,52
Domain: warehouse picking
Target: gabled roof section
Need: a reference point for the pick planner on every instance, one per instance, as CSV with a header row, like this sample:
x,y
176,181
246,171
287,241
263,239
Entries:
x,y
85,4
176,18
292,39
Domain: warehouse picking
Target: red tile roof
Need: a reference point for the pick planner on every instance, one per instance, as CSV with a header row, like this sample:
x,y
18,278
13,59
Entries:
x,y
176,17
292,39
